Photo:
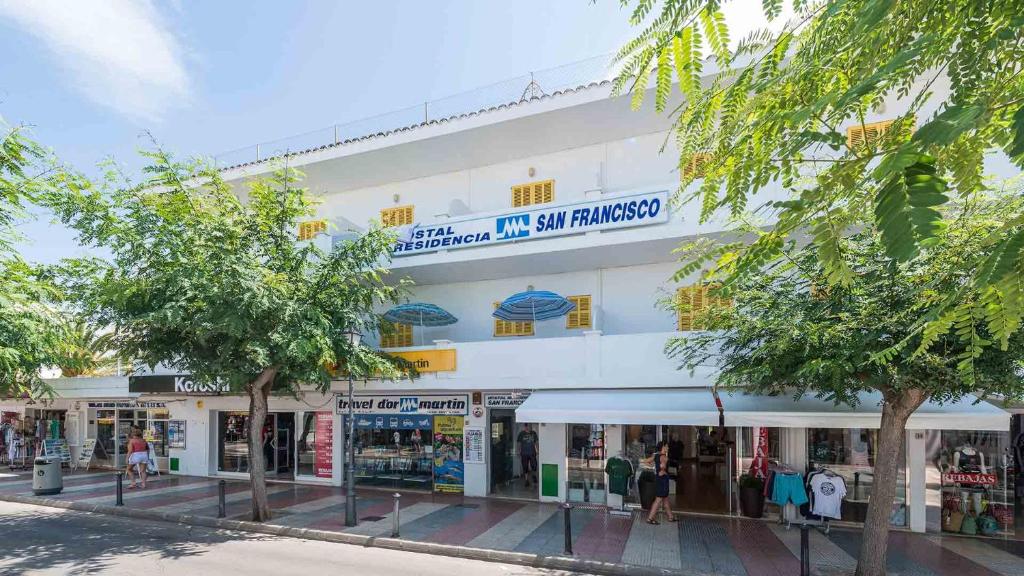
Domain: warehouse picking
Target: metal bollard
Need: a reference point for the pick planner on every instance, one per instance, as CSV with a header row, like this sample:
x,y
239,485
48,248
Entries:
x,y
568,528
805,550
119,490
222,507
395,522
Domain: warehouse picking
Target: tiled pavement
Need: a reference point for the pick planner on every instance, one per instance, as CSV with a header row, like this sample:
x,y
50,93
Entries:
x,y
695,545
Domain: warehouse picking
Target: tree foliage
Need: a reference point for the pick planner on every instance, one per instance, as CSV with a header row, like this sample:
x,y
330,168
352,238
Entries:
x,y
30,330
218,286
791,331
770,113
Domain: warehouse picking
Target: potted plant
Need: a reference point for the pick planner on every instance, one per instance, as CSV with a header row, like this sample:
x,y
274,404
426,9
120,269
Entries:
x,y
751,496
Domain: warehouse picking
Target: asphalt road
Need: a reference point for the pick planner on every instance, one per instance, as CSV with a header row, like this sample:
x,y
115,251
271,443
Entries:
x,y
41,540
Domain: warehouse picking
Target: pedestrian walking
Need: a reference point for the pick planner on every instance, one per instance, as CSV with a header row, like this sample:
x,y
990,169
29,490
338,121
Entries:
x,y
138,456
661,485
527,439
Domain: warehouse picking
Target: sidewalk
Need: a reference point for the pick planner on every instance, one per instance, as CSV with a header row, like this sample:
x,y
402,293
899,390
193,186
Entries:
x,y
695,545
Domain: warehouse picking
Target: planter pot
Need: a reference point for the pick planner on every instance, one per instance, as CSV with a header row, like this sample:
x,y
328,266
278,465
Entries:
x,y
647,489
751,502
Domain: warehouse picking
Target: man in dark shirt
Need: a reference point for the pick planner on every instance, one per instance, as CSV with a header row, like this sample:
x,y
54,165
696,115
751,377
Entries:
x,y
527,440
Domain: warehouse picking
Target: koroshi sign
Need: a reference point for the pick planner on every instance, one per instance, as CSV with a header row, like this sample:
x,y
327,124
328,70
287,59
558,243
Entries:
x,y
174,384
540,222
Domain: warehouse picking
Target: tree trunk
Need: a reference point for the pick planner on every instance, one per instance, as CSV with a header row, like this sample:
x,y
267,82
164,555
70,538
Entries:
x,y
259,391
896,410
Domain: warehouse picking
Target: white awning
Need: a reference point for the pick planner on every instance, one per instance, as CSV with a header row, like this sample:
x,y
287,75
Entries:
x,y
18,408
696,406
809,412
638,406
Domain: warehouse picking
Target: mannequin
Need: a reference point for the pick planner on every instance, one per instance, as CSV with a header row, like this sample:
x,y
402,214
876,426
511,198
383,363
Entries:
x,y
968,460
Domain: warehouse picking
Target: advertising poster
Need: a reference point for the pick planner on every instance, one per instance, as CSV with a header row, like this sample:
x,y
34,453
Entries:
x,y
323,459
474,443
176,434
449,470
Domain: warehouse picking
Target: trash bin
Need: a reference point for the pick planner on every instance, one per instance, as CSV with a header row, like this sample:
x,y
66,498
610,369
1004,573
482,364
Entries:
x,y
47,477
647,489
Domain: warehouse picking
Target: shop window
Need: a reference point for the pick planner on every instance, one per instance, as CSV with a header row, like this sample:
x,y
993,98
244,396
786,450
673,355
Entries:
x,y
866,135
694,166
397,216
851,453
396,336
533,193
586,462
692,302
580,317
509,328
972,472
311,228
394,451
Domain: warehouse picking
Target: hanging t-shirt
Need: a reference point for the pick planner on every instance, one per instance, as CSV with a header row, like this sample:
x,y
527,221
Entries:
x,y
619,471
829,492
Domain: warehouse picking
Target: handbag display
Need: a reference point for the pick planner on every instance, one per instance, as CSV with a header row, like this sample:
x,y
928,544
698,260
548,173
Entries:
x,y
987,525
1003,515
969,525
952,520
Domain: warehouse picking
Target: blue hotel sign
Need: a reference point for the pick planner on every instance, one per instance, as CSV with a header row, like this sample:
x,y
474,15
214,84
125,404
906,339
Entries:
x,y
543,221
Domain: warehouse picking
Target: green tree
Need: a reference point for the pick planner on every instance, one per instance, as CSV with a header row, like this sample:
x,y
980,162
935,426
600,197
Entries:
x,y
791,332
89,351
30,334
217,286
768,112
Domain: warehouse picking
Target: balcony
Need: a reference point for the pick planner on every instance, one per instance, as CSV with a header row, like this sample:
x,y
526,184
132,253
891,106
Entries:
x,y
591,360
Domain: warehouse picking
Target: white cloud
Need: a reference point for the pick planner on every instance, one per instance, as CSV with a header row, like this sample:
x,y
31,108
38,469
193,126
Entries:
x,y
119,53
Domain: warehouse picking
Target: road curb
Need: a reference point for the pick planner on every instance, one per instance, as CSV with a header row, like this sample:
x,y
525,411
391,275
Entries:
x,y
503,556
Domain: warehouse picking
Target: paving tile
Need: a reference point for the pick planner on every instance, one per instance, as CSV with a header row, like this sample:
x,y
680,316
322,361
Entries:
x,y
510,532
824,553
897,563
940,560
650,545
982,552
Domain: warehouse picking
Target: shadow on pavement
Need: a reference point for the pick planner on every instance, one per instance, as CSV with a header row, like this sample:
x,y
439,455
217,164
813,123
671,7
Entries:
x,y
48,538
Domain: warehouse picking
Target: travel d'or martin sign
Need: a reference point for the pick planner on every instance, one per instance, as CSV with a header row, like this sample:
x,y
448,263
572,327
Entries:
x,y
543,221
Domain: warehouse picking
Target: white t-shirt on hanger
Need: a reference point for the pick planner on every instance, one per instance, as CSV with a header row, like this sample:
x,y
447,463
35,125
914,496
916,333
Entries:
x,y
829,492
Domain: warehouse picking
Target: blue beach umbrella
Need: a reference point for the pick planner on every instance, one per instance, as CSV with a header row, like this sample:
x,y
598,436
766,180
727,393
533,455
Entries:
x,y
533,305
420,314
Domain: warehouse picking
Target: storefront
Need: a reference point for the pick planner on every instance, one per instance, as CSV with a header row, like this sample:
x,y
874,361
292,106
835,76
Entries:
x,y
709,449
409,441
207,431
111,422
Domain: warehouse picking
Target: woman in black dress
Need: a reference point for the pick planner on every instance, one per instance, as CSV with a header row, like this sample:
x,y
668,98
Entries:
x,y
661,485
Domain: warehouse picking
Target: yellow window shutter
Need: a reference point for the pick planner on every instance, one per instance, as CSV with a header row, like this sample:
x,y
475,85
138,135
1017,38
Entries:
x,y
580,317
397,216
399,336
694,166
508,328
310,228
865,135
693,301
531,193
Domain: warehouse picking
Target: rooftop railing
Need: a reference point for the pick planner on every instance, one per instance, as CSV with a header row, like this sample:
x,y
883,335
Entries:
x,y
524,88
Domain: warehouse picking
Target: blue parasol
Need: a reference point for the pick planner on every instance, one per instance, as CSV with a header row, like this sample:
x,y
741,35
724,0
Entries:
x,y
420,314
533,305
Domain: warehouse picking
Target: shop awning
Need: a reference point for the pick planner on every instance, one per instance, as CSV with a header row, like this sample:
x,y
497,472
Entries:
x,y
696,406
638,406
809,412
18,408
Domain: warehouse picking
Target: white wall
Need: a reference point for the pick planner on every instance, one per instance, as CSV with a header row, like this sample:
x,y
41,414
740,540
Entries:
x,y
552,451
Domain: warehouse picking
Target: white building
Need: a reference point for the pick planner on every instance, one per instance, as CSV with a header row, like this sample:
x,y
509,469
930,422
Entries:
x,y
595,383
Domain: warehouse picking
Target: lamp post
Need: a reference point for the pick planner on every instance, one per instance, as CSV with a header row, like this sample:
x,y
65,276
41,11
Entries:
x,y
350,465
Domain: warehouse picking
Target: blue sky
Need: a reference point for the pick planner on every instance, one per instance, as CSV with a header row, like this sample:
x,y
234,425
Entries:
x,y
92,76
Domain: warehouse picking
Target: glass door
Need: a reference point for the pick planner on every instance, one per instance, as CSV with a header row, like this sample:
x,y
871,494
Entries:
x,y
105,452
586,461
